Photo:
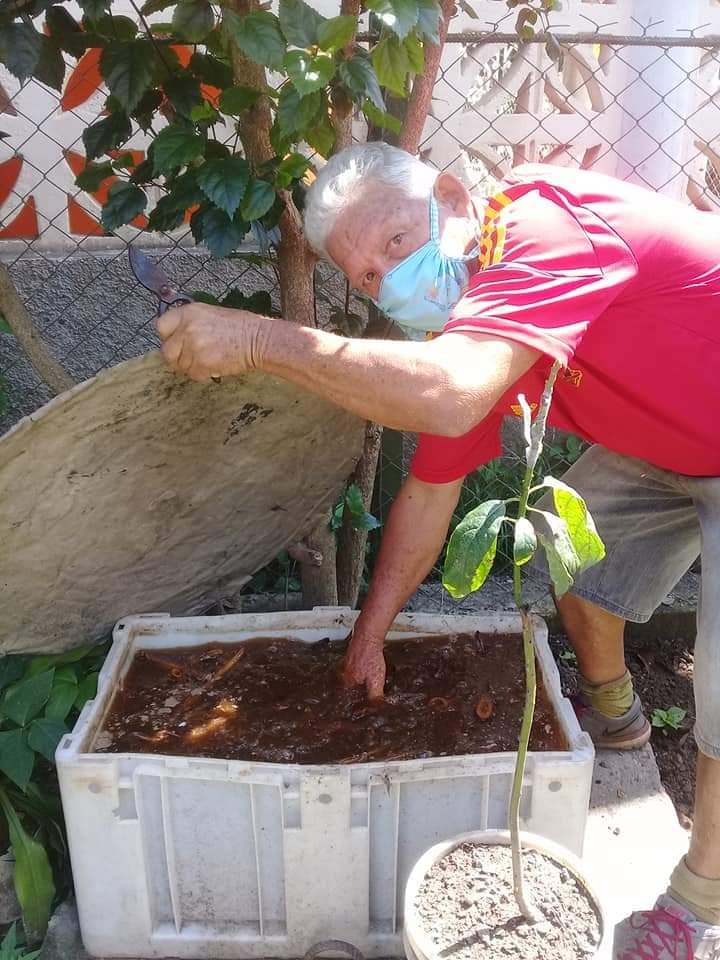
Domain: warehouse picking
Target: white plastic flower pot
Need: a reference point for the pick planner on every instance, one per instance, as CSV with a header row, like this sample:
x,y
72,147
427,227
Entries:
x,y
416,940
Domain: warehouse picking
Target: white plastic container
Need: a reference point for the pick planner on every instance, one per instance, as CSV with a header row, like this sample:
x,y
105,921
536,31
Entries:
x,y
192,858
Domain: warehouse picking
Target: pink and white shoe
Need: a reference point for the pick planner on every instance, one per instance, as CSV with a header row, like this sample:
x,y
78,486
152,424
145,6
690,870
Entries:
x,y
667,932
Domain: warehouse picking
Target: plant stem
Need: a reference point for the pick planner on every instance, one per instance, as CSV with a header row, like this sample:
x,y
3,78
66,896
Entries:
x,y
537,432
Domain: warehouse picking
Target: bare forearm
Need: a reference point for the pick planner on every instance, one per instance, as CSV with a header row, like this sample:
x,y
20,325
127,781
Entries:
x,y
444,387
413,538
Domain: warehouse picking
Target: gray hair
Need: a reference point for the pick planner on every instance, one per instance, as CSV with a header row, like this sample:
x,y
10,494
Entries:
x,y
341,179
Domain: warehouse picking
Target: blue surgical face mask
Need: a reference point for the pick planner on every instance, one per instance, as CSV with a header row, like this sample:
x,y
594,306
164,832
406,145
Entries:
x,y
420,292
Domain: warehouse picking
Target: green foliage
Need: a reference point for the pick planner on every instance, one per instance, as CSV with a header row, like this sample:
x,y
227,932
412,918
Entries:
x,y
258,35
20,48
324,72
125,201
224,182
193,20
471,550
524,541
336,33
300,24
93,175
670,719
39,700
106,134
128,67
353,502
175,147
11,949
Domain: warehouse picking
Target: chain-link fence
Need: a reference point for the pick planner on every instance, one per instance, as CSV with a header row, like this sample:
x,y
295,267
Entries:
x,y
620,97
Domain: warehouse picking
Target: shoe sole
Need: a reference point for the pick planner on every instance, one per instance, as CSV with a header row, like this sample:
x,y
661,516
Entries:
x,y
635,742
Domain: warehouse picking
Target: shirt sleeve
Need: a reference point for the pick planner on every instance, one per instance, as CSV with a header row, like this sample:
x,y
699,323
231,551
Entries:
x,y
558,271
443,459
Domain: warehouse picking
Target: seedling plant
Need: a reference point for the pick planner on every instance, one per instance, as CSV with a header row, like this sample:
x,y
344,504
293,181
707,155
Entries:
x,y
571,544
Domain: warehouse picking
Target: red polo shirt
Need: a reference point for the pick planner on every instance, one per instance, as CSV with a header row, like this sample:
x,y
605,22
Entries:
x,y
623,287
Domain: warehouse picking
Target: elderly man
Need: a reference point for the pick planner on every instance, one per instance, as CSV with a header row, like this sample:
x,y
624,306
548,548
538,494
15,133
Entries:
x,y
623,288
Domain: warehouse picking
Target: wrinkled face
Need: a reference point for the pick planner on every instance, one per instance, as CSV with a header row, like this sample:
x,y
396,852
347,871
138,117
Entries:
x,y
383,226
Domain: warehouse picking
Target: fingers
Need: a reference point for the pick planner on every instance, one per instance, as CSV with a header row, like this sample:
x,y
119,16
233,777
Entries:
x,y
168,323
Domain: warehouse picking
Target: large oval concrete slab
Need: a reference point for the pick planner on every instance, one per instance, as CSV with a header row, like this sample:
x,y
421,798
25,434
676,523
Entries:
x,y
141,491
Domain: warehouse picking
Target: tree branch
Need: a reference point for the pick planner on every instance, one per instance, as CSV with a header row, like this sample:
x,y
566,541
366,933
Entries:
x,y
342,107
21,323
421,96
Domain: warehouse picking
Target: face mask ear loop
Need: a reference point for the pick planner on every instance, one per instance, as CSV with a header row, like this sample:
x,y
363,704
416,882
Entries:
x,y
434,219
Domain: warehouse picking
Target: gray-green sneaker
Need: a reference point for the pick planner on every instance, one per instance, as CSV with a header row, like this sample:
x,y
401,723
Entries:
x,y
628,732
667,932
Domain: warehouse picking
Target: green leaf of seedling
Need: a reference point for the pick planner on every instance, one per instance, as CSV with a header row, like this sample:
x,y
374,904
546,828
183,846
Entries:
x,y
336,33
471,550
16,758
258,199
675,716
224,182
299,23
24,700
193,20
33,876
125,201
571,507
559,558
400,16
258,35
128,68
525,542
44,735
235,100
308,73
5,328
174,147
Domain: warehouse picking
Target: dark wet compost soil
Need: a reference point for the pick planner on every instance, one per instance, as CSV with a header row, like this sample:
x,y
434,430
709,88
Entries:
x,y
467,908
282,701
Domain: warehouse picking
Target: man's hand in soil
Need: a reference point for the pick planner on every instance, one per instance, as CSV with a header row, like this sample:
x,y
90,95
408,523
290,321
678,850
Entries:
x,y
204,341
365,664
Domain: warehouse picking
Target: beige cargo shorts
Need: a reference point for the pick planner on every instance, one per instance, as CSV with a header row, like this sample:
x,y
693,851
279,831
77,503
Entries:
x,y
654,525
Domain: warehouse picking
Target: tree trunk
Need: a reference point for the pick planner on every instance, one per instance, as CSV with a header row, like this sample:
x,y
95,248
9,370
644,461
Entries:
x,y
351,542
318,582
296,265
